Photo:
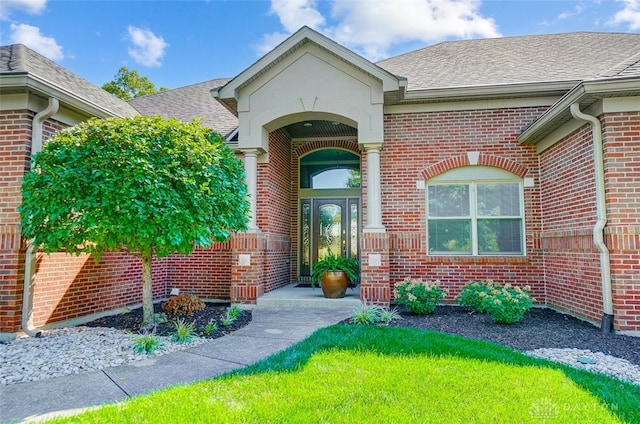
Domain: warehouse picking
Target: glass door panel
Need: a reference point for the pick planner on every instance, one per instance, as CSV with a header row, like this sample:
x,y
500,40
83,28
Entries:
x,y
330,228
328,225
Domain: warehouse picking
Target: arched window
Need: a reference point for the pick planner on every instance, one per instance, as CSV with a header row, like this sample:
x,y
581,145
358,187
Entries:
x,y
330,168
475,210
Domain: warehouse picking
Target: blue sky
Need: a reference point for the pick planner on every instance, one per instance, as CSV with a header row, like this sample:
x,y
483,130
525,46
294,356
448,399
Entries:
x,y
177,43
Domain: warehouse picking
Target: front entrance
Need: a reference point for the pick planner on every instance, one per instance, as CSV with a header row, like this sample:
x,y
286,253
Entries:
x,y
329,207
328,226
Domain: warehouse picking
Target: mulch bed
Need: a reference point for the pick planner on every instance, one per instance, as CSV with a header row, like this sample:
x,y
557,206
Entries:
x,y
540,328
213,312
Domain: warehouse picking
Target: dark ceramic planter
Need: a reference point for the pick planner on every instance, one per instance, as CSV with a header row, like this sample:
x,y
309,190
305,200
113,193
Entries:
x,y
334,284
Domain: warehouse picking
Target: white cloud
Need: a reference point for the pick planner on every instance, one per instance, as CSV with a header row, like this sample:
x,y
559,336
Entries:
x,y
628,15
567,14
373,27
31,37
29,6
147,48
293,14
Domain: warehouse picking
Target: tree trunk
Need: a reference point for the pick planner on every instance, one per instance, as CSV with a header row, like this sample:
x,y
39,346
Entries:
x,y
147,291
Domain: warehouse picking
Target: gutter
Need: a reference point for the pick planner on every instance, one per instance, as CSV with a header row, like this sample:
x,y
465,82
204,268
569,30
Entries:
x,y
601,210
30,256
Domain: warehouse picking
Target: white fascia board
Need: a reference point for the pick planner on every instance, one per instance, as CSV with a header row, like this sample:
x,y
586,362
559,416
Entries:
x,y
49,89
489,91
603,87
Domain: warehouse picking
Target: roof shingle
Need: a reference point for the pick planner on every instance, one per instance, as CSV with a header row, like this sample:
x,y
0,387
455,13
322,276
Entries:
x,y
574,56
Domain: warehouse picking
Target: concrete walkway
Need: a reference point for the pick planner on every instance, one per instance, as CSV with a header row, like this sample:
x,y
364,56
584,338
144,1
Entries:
x,y
275,326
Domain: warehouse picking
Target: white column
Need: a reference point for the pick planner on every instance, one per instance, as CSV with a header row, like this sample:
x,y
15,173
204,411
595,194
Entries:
x,y
251,177
374,198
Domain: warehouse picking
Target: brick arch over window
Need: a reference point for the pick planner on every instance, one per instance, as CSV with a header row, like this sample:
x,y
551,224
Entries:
x,y
323,144
483,160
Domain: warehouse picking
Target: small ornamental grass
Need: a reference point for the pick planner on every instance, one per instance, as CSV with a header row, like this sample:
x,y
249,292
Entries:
x,y
365,314
420,297
232,314
506,304
146,342
184,331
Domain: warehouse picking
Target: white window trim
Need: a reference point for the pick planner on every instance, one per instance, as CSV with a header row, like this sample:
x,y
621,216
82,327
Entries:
x,y
472,176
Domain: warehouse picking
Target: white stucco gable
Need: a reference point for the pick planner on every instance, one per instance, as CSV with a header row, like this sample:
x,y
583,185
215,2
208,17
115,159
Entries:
x,y
308,76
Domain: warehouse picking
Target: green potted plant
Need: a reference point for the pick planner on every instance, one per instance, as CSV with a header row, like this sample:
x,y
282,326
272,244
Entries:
x,y
333,274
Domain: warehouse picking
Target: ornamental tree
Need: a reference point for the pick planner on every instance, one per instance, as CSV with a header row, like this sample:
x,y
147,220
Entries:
x,y
128,84
143,184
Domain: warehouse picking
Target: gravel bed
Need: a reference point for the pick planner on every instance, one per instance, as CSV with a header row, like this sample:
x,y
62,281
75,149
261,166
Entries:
x,y
104,342
73,350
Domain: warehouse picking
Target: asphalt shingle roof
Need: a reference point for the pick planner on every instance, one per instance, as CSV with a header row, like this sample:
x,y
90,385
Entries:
x,y
187,103
18,59
510,60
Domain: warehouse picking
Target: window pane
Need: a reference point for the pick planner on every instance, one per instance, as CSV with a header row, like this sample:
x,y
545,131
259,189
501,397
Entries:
x,y
336,178
353,243
330,228
448,200
500,236
499,199
306,234
450,235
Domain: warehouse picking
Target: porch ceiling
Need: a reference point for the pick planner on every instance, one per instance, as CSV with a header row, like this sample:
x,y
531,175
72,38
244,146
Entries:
x,y
317,128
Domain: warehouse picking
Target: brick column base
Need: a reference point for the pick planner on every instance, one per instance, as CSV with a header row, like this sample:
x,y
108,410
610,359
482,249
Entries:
x,y
375,286
247,267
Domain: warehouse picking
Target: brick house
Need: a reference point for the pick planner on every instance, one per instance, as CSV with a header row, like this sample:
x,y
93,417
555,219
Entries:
x,y
515,159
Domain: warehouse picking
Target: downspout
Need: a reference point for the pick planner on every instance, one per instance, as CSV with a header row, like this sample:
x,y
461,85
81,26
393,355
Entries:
x,y
601,210
30,256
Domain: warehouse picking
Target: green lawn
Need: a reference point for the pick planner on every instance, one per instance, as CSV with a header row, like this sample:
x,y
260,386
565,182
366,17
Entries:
x,y
355,374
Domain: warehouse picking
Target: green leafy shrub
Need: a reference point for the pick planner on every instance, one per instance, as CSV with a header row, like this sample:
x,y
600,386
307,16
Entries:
x,y
472,294
420,297
506,304
184,331
146,342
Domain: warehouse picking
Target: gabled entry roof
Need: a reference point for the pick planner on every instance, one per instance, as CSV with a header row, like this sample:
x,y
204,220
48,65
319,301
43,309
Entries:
x,y
228,94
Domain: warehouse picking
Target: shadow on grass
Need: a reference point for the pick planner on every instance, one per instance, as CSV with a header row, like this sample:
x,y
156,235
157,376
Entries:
x,y
619,397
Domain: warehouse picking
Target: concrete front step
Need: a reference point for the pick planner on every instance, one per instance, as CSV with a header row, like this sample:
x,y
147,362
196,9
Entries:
x,y
303,297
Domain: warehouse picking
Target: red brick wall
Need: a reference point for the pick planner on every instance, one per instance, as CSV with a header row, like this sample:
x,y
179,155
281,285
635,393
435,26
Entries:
x,y
274,211
205,273
69,286
621,134
572,265
421,145
15,136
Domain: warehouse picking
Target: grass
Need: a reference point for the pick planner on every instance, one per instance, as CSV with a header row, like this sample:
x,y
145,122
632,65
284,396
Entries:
x,y
346,374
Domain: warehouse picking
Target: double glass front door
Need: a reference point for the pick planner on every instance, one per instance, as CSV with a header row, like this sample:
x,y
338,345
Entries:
x,y
328,226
